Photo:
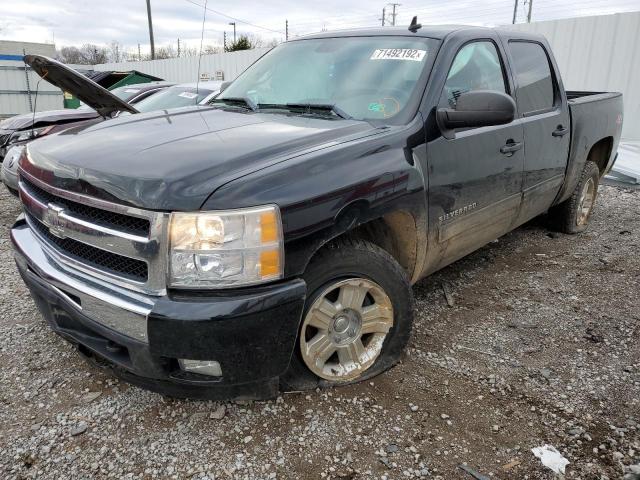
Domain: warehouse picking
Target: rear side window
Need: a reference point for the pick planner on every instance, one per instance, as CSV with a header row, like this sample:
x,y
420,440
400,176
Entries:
x,y
477,66
535,90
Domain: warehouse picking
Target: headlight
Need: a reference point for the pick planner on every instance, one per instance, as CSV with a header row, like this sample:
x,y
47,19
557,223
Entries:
x,y
29,134
226,249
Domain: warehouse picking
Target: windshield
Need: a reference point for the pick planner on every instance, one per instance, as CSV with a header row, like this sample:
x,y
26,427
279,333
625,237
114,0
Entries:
x,y
173,97
368,78
125,93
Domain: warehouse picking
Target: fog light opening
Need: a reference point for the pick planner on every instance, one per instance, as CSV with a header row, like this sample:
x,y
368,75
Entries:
x,y
201,367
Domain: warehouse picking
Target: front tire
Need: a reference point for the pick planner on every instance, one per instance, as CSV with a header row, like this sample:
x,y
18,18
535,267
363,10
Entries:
x,y
573,215
357,318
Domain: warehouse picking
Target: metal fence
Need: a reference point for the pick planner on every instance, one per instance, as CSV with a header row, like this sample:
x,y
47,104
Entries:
x,y
18,83
185,70
599,53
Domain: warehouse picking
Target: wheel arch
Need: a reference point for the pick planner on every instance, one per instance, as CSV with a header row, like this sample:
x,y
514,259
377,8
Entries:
x,y
600,153
396,232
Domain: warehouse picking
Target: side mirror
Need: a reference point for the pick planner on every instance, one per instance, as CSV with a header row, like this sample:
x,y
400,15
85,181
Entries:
x,y
224,86
480,108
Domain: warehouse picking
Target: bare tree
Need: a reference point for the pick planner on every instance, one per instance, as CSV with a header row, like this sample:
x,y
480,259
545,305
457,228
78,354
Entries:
x,y
88,54
167,51
188,51
94,54
211,49
70,55
117,53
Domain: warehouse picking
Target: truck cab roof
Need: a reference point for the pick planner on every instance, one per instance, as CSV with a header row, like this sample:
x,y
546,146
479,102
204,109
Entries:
x,y
438,32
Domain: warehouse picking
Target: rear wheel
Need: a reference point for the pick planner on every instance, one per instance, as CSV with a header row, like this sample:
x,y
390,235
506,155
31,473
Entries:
x,y
573,215
357,318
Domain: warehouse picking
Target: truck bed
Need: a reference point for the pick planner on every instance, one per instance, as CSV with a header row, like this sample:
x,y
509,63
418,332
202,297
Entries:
x,y
581,96
596,119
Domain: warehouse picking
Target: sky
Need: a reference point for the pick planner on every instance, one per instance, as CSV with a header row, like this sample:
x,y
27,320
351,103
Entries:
x,y
75,22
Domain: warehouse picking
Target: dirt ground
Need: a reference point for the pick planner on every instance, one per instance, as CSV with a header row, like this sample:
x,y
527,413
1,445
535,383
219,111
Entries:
x,y
540,346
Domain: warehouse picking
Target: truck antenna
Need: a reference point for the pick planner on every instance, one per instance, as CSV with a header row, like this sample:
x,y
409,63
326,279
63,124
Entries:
x,y
204,17
415,26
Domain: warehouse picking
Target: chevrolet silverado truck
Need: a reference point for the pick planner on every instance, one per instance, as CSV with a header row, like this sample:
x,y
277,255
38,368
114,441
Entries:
x,y
268,242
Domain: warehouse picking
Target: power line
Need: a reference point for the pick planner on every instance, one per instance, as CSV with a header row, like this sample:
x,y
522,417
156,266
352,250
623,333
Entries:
x,y
234,18
492,14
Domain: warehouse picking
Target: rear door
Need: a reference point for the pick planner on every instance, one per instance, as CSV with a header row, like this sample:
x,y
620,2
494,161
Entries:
x,y
475,183
545,118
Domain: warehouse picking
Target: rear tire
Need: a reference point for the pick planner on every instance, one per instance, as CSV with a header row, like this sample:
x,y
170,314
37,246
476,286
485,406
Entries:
x,y
357,318
573,215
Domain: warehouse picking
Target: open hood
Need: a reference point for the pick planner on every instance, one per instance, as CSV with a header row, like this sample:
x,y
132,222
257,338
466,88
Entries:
x,y
67,79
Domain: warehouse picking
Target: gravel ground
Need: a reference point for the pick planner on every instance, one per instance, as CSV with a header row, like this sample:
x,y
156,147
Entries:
x,y
537,345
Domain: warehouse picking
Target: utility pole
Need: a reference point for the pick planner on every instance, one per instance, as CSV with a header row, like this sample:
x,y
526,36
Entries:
x,y
384,15
153,47
178,48
515,11
224,42
139,54
394,14
286,30
529,12
234,31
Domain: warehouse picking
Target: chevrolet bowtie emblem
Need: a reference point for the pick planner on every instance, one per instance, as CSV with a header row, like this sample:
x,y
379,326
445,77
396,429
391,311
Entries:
x,y
54,222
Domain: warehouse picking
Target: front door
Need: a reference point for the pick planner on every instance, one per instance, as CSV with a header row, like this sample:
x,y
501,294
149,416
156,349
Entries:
x,y
546,123
475,179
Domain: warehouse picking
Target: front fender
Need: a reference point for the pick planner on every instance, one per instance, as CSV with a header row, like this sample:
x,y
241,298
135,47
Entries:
x,y
327,193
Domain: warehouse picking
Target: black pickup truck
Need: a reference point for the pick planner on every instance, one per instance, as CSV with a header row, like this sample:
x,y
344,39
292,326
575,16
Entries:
x,y
269,241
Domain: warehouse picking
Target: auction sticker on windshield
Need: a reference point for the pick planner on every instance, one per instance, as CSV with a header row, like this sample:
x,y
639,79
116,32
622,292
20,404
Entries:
x,y
410,54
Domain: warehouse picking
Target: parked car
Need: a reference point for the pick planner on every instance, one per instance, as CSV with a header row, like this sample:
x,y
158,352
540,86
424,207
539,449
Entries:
x,y
9,172
182,95
143,95
269,241
24,128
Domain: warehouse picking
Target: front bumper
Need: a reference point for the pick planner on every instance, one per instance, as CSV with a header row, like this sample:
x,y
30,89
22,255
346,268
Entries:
x,y
250,332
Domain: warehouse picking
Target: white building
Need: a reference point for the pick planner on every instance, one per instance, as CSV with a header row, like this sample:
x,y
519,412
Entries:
x,y
18,83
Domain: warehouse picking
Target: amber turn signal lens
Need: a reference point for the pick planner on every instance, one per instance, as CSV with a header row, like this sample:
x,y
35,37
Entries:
x,y
269,226
269,263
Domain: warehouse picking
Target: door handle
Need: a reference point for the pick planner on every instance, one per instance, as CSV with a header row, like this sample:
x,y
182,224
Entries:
x,y
510,148
560,131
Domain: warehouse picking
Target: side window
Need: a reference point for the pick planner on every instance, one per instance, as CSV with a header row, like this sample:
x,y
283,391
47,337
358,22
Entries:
x,y
477,66
535,90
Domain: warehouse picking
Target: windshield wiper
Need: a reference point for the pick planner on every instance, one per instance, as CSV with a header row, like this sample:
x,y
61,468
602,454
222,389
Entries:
x,y
237,102
307,108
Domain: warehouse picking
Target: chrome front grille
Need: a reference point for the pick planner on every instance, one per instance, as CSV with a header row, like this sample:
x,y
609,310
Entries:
x,y
131,268
105,218
124,245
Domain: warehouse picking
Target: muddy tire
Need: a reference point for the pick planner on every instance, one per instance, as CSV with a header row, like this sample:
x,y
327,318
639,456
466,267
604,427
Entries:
x,y
573,215
357,317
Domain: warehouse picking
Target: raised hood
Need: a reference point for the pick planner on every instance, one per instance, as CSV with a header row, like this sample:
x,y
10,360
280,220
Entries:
x,y
50,117
67,79
174,160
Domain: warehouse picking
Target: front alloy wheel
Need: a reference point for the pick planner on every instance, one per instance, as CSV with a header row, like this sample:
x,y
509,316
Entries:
x,y
344,329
